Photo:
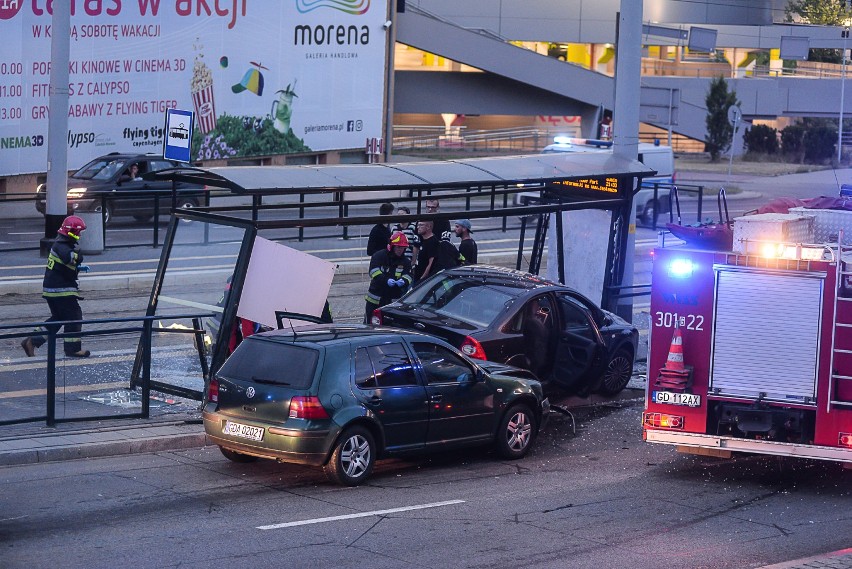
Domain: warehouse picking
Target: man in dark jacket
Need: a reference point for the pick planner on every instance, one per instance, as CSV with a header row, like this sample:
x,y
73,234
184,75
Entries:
x,y
390,274
60,288
380,233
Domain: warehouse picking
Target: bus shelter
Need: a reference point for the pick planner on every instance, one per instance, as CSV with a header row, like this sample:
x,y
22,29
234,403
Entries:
x,y
280,203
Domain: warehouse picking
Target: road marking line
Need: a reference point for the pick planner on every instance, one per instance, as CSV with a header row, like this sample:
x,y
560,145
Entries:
x,y
64,390
361,515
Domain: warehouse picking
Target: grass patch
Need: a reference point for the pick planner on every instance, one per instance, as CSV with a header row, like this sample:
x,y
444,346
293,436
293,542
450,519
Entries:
x,y
768,167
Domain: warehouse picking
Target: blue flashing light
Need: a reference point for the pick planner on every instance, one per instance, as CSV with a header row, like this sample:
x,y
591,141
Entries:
x,y
681,268
562,140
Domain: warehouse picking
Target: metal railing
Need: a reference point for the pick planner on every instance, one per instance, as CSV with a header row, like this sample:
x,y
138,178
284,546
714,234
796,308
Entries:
x,y
146,328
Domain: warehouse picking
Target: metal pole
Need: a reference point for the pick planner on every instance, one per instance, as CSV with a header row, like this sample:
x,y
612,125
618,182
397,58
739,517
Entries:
x,y
389,78
845,34
628,71
56,202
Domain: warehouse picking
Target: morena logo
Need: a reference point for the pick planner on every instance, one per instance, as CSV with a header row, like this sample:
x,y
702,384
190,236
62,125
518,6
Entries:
x,y
9,8
355,7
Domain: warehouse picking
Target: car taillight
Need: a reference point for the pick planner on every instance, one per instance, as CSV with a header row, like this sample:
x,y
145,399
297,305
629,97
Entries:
x,y
376,318
845,440
663,421
213,391
307,407
473,349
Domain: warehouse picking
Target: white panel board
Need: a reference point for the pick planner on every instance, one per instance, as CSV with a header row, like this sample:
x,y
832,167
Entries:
x,y
585,241
766,335
281,278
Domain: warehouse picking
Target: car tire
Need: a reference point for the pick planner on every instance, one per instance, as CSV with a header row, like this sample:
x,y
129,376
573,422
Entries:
x,y
516,432
650,212
143,218
108,213
617,374
186,203
353,458
234,456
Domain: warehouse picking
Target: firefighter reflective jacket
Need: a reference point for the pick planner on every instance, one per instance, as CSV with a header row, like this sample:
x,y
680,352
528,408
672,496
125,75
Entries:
x,y
60,276
384,266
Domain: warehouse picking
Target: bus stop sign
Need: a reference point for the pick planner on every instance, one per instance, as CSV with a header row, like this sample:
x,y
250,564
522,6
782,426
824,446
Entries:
x,y
177,138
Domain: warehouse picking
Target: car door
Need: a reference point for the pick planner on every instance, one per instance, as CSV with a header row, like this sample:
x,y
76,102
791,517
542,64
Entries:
x,y
386,384
461,403
578,345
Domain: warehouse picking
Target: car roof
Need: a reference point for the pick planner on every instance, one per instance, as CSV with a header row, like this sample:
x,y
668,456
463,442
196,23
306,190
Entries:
x,y
129,156
329,334
490,274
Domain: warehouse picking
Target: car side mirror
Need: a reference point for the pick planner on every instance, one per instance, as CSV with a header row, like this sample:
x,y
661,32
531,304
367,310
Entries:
x,y
468,377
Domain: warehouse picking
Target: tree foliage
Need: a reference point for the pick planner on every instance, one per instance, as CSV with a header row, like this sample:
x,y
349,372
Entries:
x,y
817,12
719,130
761,139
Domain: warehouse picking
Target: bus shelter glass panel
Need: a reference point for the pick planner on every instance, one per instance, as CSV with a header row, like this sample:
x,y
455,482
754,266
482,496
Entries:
x,y
189,308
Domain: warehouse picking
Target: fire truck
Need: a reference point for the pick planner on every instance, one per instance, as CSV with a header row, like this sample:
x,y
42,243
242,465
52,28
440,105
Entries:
x,y
751,351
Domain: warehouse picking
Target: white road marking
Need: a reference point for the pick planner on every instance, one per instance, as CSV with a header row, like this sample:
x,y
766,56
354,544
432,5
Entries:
x,y
361,515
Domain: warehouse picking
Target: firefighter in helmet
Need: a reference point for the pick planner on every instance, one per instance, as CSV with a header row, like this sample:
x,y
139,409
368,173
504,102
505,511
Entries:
x,y
60,288
390,274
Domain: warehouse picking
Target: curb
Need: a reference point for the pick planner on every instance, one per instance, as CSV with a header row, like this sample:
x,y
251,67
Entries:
x,y
834,560
130,440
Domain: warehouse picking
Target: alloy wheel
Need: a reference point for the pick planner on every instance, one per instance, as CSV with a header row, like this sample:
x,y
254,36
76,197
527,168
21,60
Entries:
x,y
617,374
519,431
355,456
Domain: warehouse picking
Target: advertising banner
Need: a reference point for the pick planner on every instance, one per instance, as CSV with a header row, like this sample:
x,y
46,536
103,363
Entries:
x,y
262,76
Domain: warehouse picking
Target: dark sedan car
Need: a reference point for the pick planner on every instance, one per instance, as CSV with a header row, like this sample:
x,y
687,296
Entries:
x,y
492,313
341,396
112,184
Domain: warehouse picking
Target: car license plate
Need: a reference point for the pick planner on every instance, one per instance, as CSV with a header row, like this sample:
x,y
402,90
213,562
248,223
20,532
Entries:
x,y
669,398
243,431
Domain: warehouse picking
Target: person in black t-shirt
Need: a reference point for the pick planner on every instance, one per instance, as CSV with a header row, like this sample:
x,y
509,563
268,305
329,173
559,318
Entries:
x,y
428,251
467,247
380,233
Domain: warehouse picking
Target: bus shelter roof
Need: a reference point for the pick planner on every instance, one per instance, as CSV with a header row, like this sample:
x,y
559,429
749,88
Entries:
x,y
527,169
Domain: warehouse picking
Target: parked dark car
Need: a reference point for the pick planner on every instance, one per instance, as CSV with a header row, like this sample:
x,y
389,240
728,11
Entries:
x,y
341,396
503,315
107,182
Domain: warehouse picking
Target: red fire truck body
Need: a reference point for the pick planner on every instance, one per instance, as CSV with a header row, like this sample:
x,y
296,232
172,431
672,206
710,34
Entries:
x,y
767,354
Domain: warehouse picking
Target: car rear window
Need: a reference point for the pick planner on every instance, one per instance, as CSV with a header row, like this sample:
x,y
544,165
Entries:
x,y
258,360
467,299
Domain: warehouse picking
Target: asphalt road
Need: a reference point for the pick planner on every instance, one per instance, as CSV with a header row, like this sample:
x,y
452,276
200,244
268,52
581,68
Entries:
x,y
600,498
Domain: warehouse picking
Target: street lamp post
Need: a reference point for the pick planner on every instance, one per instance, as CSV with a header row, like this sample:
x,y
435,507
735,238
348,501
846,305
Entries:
x,y
845,34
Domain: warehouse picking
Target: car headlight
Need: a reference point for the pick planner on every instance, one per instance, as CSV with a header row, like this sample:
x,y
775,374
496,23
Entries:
x,y
76,192
40,189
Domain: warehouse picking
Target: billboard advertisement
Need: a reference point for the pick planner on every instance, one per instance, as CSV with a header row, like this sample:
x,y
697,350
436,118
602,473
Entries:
x,y
262,76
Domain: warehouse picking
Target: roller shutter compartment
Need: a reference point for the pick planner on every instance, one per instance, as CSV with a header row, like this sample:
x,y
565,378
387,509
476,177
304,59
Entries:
x,y
766,335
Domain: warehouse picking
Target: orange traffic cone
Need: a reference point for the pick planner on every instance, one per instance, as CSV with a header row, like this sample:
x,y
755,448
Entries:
x,y
675,375
674,363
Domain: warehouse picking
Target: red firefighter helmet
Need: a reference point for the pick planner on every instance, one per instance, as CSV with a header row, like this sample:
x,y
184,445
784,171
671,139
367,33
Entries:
x,y
72,226
397,240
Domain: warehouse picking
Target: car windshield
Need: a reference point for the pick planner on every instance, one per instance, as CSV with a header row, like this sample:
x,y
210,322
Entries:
x,y
265,361
463,298
100,169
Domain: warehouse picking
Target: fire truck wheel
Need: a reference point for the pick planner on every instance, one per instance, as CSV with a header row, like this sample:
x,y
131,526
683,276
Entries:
x,y
618,373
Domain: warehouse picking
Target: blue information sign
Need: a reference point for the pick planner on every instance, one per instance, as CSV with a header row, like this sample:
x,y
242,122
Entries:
x,y
177,139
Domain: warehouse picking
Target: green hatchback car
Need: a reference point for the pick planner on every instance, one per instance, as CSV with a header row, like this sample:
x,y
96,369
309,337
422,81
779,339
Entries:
x,y
342,396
